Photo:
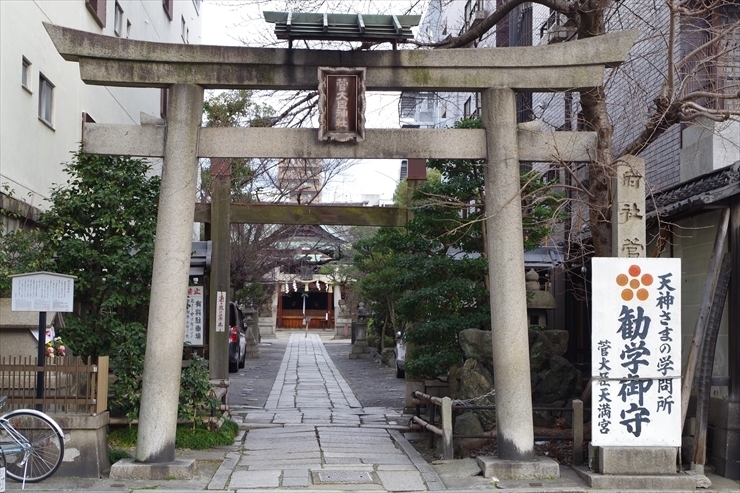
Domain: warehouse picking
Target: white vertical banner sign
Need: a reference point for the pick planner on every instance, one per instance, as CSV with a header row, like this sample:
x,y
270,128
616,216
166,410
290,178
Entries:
x,y
194,317
221,311
636,352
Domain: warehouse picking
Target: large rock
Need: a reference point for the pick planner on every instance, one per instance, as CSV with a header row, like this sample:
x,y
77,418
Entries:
x,y
543,345
468,424
477,344
558,382
475,381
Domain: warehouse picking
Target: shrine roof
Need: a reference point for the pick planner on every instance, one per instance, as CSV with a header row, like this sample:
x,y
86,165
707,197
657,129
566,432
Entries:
x,y
343,27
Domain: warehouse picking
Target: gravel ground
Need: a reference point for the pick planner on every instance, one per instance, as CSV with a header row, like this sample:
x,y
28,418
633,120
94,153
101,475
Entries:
x,y
374,385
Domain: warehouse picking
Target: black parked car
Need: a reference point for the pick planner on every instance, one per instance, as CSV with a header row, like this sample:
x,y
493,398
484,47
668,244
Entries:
x,y
237,339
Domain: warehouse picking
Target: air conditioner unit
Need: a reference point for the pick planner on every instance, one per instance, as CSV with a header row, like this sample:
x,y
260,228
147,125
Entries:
x,y
558,33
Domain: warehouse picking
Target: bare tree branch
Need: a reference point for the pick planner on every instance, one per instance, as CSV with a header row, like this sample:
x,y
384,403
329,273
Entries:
x,y
563,6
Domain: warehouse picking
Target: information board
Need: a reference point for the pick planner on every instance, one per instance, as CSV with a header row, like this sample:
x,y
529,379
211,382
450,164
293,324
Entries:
x,y
42,292
636,352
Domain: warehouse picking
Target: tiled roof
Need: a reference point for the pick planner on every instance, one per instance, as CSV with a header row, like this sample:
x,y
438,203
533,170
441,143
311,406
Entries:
x,y
695,194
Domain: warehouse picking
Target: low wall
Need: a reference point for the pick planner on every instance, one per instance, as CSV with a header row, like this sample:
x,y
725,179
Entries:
x,y
724,432
85,444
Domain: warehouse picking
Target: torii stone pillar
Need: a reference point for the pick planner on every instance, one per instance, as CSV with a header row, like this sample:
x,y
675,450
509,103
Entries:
x,y
505,251
161,381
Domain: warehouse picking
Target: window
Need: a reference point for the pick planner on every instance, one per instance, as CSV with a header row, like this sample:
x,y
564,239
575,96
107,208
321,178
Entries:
x,y
118,23
46,100
167,5
97,9
26,74
471,7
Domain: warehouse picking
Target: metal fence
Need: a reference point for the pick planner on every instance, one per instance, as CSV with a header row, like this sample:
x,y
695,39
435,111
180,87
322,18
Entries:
x,y
71,385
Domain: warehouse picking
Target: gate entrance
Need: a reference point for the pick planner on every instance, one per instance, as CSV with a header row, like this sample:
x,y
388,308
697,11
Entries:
x,y
187,69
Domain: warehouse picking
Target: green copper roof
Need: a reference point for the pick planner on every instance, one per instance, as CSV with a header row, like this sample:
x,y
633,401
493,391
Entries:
x,y
343,27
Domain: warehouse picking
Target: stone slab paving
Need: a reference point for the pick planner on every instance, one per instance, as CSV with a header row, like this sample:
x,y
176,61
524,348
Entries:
x,y
314,433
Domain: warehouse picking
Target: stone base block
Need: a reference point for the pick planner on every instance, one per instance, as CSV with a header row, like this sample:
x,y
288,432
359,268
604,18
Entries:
x,y
637,460
505,470
85,444
129,469
650,482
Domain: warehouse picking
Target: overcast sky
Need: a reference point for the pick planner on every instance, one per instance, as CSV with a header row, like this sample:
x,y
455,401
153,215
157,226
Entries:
x,y
225,22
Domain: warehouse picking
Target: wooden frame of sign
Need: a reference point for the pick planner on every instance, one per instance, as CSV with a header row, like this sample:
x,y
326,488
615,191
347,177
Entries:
x,y
341,104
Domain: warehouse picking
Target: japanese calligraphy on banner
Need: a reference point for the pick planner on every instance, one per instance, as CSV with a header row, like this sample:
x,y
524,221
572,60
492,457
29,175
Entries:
x,y
194,317
636,352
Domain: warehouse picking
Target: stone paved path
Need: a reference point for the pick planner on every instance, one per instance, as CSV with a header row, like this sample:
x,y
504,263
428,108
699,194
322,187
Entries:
x,y
313,433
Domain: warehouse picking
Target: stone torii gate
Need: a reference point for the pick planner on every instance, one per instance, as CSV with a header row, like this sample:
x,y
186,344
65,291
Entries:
x,y
189,69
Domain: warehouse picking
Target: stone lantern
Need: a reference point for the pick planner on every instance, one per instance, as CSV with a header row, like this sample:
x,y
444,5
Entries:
x,y
360,345
538,301
253,334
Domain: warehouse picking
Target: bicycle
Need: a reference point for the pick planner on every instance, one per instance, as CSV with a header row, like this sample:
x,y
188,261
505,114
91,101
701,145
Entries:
x,y
32,443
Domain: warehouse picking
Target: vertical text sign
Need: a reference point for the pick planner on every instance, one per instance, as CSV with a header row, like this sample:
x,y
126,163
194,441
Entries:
x,y
342,101
342,104
221,311
194,317
628,208
636,352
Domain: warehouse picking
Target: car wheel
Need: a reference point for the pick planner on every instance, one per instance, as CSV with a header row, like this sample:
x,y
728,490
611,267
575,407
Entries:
x,y
233,367
400,373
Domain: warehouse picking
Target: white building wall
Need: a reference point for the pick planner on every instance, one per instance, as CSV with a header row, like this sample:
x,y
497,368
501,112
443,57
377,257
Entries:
x,y
31,152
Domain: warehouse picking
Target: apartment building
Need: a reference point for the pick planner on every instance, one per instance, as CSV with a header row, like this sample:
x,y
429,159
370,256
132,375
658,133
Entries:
x,y
692,167
42,98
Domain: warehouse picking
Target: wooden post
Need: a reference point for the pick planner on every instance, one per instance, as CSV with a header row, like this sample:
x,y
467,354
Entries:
x,y
218,338
101,389
701,322
733,323
709,346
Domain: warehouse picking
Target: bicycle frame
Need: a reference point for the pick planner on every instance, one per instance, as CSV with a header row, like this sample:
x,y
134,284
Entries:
x,y
20,444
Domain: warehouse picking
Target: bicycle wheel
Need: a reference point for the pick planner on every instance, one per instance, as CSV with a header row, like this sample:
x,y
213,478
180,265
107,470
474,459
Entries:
x,y
47,446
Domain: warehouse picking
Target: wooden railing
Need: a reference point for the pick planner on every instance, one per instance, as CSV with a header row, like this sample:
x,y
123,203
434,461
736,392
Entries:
x,y
448,407
295,319
70,384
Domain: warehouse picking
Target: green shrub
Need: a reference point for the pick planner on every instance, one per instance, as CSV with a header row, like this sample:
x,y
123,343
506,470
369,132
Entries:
x,y
195,390
116,454
121,439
